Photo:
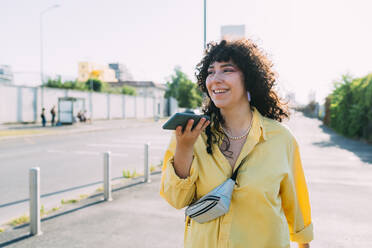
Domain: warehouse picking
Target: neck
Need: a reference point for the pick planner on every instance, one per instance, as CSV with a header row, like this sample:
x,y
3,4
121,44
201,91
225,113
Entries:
x,y
237,120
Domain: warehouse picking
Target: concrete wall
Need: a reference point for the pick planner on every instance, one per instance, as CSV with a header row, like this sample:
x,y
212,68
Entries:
x,y
24,104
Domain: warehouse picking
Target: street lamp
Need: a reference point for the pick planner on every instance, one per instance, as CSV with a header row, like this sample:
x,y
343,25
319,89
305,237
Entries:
x,y
205,24
41,50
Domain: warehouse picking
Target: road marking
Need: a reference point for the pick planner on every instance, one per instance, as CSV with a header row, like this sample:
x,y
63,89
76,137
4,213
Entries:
x,y
332,181
98,153
152,147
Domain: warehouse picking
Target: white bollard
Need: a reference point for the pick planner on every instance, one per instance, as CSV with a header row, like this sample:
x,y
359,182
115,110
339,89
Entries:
x,y
107,176
146,170
34,177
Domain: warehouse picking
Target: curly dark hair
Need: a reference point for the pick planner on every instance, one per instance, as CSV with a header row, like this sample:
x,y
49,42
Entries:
x,y
259,80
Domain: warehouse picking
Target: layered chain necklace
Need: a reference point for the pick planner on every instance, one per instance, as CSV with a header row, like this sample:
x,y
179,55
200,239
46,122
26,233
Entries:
x,y
238,137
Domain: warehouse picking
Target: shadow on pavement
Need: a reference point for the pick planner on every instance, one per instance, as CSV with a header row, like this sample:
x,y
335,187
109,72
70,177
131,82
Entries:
x,y
360,149
23,237
10,242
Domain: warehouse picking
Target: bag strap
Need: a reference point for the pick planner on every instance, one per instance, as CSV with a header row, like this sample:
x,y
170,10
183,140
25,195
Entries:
x,y
235,174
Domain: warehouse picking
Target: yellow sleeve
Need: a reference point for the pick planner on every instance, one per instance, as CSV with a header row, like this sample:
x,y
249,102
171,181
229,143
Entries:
x,y
176,191
295,201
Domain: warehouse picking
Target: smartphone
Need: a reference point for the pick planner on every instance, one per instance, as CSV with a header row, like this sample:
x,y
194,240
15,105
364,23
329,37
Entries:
x,y
181,119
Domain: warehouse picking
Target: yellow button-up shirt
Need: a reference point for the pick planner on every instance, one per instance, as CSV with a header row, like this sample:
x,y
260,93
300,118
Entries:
x,y
270,203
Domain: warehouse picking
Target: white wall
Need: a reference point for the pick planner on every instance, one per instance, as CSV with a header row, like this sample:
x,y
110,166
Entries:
x,y
130,106
140,107
99,105
29,102
8,104
116,108
23,104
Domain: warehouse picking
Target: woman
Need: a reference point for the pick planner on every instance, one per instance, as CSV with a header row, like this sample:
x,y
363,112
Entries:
x,y
270,204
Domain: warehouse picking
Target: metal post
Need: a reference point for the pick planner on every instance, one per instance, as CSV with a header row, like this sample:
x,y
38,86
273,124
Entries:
x,y
41,52
34,177
205,24
146,171
107,176
41,60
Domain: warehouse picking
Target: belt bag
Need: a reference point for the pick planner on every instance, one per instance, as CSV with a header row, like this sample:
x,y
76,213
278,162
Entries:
x,y
214,204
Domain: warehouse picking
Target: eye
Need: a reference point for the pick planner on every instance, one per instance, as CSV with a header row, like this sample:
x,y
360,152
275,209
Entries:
x,y
228,70
210,72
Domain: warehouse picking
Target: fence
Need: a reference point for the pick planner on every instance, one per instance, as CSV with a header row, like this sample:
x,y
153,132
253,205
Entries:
x,y
24,104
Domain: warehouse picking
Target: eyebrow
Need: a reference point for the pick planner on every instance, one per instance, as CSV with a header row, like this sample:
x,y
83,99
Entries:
x,y
224,65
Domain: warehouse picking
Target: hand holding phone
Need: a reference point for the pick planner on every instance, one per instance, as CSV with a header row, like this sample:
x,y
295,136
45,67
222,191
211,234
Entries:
x,y
181,119
188,128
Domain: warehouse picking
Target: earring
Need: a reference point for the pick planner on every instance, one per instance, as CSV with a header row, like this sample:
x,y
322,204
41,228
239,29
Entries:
x,y
249,96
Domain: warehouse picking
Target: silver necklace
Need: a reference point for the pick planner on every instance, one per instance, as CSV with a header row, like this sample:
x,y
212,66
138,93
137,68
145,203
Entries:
x,y
238,137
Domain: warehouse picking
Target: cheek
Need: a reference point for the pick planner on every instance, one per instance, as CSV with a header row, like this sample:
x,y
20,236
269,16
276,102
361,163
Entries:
x,y
208,86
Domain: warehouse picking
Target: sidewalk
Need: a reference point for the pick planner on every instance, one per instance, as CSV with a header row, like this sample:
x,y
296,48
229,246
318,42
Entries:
x,y
12,131
137,217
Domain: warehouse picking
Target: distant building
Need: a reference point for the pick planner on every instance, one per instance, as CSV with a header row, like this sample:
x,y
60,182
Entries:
x,y
121,72
143,88
6,74
232,32
92,70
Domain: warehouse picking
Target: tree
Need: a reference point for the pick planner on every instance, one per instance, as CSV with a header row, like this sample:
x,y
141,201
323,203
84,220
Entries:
x,y
183,90
94,84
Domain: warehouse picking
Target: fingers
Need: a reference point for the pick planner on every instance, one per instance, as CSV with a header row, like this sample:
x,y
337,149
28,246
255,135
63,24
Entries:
x,y
189,125
179,131
202,124
205,125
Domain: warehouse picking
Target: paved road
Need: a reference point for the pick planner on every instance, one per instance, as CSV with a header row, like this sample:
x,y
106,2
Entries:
x,y
339,175
71,160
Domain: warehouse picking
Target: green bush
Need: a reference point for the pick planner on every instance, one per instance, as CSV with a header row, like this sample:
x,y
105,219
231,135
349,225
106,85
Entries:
x,y
351,106
127,90
90,84
57,83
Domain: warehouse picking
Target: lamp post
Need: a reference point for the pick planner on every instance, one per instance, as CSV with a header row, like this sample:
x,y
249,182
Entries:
x,y
205,24
41,51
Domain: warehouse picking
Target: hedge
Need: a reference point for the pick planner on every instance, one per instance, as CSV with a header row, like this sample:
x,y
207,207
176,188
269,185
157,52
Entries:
x,y
350,107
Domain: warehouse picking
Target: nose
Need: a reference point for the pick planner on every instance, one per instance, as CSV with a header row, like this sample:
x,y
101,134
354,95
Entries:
x,y
215,77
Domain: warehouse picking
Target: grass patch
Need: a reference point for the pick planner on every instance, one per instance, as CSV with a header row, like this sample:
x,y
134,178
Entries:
x,y
84,196
128,174
71,201
21,220
55,209
2,230
42,211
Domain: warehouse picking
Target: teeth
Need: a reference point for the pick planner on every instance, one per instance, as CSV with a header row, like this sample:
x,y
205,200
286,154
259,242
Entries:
x,y
219,91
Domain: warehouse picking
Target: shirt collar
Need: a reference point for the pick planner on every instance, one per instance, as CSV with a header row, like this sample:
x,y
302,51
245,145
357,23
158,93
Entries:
x,y
258,129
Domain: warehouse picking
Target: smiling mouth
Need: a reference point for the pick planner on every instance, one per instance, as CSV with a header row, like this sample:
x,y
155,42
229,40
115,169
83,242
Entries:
x,y
216,92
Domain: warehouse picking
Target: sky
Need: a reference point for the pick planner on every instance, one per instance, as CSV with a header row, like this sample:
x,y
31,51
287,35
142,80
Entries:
x,y
311,43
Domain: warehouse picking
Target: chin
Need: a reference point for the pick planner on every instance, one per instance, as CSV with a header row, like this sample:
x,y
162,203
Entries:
x,y
220,104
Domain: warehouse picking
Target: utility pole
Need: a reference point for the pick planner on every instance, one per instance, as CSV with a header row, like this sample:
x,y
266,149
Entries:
x,y
205,24
41,51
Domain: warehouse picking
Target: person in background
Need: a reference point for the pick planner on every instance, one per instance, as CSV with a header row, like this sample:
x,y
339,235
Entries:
x,y
270,203
43,120
53,113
